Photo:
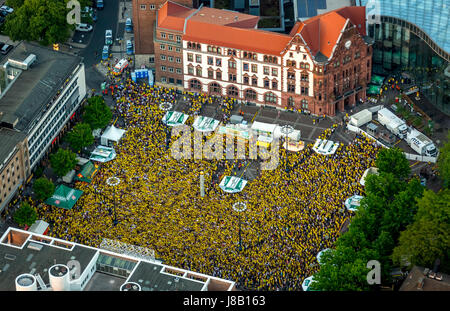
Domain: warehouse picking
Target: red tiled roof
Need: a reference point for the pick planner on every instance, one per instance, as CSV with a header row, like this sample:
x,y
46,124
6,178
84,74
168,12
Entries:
x,y
357,15
238,38
172,16
236,30
321,32
225,18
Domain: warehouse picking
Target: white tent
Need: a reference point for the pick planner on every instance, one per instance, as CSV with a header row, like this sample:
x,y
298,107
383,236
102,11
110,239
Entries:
x,y
205,124
111,133
263,128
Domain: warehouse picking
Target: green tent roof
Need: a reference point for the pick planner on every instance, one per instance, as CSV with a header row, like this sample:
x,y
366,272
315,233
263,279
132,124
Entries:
x,y
87,172
373,89
64,197
377,80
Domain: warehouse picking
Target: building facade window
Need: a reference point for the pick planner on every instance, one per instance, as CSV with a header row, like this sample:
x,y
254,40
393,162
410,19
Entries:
x,y
270,97
250,94
232,91
215,88
195,84
198,58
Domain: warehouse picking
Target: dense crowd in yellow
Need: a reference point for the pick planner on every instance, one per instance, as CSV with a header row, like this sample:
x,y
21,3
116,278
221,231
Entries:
x,y
290,216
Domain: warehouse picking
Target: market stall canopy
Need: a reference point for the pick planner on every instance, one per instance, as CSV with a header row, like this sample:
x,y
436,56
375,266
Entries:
x,y
373,89
39,227
370,170
232,184
377,80
205,124
103,154
325,147
174,118
87,172
319,255
263,128
69,177
307,283
64,197
239,130
353,202
112,133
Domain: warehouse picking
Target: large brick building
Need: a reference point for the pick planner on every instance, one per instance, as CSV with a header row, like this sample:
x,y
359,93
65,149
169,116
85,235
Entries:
x,y
144,19
321,66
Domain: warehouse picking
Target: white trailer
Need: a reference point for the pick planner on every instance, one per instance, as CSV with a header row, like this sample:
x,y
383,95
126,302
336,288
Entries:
x,y
361,118
393,123
421,144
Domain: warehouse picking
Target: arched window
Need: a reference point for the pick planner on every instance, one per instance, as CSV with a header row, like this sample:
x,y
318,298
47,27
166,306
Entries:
x,y
195,84
215,88
270,98
250,94
232,91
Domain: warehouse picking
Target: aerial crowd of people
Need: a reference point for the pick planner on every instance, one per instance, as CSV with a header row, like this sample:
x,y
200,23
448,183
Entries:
x,y
290,215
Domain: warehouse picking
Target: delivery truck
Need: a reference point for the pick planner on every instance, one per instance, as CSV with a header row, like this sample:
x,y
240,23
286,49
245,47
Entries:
x,y
393,123
361,118
420,143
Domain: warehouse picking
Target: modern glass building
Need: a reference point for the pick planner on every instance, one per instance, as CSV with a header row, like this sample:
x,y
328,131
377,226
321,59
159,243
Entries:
x,y
413,37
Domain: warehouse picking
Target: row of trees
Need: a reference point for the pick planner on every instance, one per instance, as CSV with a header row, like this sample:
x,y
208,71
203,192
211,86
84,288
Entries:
x,y
96,114
398,224
43,21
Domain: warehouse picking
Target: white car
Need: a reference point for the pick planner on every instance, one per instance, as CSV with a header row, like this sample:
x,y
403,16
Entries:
x,y
6,9
83,27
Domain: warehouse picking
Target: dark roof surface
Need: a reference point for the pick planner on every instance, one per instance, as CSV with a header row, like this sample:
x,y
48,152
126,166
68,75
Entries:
x,y
26,260
150,278
35,87
9,139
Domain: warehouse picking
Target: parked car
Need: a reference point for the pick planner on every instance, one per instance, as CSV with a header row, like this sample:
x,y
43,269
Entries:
x,y
128,25
100,4
108,37
2,20
3,13
6,9
105,52
130,50
6,48
84,27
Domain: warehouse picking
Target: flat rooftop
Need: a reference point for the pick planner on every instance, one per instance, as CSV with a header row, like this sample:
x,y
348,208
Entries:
x,y
37,86
15,261
26,252
9,139
151,277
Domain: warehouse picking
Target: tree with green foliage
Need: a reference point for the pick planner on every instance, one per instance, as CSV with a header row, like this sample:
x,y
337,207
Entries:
x,y
63,161
43,188
80,136
428,237
388,207
393,161
43,21
443,163
97,113
25,215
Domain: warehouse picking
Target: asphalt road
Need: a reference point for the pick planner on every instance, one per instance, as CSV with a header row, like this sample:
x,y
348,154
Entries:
x,y
107,19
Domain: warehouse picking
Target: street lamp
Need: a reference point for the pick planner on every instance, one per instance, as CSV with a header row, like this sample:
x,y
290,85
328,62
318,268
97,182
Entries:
x,y
286,129
240,207
113,182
